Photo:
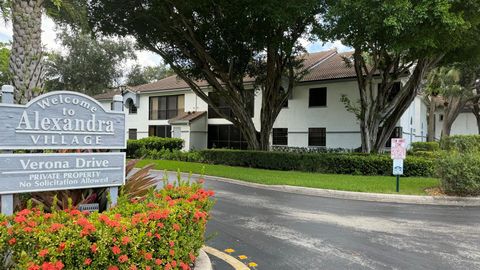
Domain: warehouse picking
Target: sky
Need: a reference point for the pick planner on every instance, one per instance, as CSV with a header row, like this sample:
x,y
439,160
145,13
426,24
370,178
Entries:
x,y
144,58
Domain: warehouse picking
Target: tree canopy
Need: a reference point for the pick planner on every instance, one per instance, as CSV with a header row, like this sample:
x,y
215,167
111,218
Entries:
x,y
4,60
88,65
141,75
222,42
394,40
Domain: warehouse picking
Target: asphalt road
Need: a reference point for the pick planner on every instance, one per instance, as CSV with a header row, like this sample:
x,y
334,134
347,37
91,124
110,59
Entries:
x,y
280,230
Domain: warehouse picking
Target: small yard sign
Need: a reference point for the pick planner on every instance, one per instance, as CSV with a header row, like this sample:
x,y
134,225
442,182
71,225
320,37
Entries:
x,y
20,173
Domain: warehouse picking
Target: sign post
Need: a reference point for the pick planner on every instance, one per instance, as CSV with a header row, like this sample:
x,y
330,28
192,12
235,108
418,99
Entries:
x,y
60,120
398,152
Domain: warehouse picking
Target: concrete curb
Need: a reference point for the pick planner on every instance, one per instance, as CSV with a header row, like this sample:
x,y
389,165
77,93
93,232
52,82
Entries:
x,y
359,196
203,261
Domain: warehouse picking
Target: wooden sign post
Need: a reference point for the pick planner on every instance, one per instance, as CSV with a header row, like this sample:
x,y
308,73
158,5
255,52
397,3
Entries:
x,y
60,120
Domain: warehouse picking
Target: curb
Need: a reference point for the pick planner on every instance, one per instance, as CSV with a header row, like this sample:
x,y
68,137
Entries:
x,y
203,261
351,195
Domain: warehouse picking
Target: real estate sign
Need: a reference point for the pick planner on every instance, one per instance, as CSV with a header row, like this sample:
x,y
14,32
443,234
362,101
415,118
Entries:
x,y
20,173
61,120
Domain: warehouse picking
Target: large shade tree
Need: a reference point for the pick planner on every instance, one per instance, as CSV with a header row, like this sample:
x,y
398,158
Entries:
x,y
87,65
394,40
141,75
222,42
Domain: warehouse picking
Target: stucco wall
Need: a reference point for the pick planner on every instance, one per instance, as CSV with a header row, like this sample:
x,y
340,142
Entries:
x,y
342,128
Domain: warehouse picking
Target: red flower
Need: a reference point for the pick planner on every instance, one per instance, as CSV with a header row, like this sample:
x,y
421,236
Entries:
x,y
55,227
27,229
184,266
112,267
43,253
94,248
171,252
171,243
192,257
34,267
176,227
158,261
174,264
123,258
133,267
116,250
87,261
61,246
148,256
12,241
160,225
125,240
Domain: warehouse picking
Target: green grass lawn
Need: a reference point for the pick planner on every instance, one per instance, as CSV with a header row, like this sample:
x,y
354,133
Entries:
x,y
375,184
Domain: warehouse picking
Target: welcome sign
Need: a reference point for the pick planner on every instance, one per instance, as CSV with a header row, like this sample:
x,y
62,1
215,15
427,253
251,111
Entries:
x,y
47,172
61,120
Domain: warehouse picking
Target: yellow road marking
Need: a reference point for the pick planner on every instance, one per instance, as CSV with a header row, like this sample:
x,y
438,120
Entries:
x,y
238,265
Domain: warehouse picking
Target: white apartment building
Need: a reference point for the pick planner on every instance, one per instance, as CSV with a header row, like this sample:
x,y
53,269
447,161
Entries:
x,y
314,116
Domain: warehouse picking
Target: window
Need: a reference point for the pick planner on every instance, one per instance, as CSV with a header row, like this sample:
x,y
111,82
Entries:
x,y
441,117
132,134
317,97
225,136
164,131
165,107
280,136
225,109
317,137
132,109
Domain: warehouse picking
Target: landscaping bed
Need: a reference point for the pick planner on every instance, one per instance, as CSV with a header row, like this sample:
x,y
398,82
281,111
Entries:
x,y
162,230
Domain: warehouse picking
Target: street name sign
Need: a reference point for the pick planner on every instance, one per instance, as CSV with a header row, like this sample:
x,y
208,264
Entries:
x,y
20,173
61,120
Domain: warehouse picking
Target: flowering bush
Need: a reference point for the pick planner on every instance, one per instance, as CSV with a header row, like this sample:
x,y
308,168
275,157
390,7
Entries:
x,y
161,230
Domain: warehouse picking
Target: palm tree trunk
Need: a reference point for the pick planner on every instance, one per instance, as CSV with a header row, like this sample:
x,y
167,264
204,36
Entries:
x,y
26,59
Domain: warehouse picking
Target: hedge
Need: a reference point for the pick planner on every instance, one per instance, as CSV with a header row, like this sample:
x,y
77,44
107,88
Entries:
x,y
425,146
135,148
460,173
461,143
163,230
335,163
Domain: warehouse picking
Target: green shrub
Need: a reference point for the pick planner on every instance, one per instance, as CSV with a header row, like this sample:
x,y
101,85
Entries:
x,y
461,143
162,230
425,146
135,148
335,163
166,154
460,173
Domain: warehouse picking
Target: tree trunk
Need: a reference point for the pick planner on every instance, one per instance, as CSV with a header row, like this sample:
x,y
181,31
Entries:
x,y
476,112
452,109
431,119
26,59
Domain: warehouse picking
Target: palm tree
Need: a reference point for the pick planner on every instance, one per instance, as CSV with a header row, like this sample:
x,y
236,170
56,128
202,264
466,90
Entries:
x,y
27,56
